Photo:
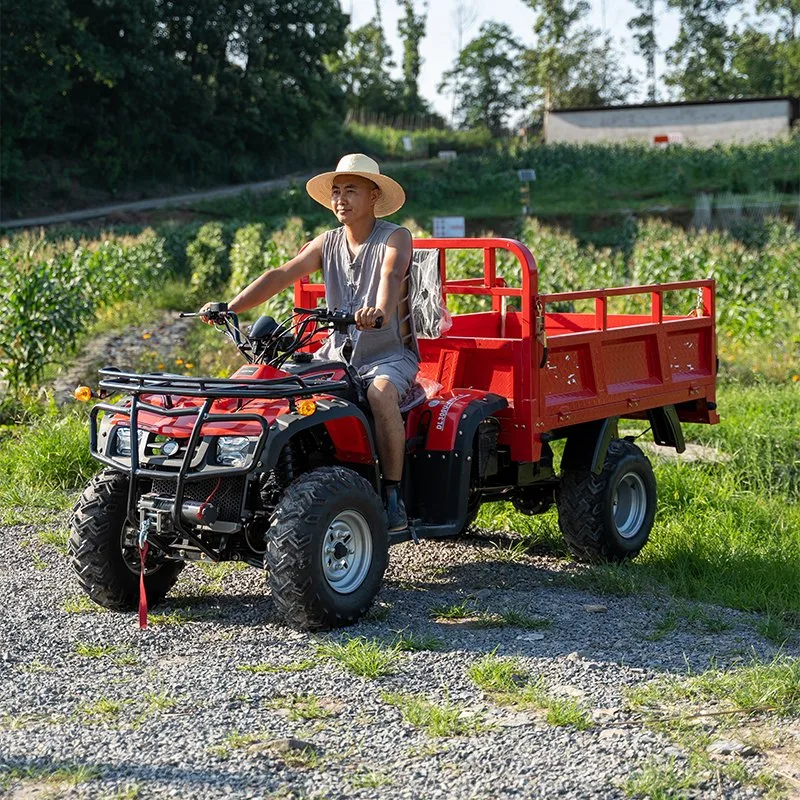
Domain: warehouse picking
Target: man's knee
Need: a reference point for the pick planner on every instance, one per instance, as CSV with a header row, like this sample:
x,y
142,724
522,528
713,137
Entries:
x,y
382,395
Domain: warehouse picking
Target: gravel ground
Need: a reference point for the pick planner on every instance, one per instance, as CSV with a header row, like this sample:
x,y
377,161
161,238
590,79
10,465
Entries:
x,y
155,717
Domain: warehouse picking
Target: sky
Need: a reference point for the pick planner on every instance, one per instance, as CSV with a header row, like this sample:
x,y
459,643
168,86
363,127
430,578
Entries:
x,y
439,47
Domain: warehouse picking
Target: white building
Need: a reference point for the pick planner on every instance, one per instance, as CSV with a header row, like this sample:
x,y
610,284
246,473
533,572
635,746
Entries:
x,y
699,123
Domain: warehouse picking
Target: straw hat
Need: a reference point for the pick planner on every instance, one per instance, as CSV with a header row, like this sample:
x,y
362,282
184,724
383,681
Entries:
x,y
392,194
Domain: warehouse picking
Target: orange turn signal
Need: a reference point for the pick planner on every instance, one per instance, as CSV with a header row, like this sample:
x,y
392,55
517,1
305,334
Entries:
x,y
83,394
305,408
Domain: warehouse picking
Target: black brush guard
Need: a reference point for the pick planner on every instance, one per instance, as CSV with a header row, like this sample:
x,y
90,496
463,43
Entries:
x,y
210,389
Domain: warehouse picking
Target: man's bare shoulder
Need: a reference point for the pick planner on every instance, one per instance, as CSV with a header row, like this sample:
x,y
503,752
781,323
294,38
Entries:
x,y
400,238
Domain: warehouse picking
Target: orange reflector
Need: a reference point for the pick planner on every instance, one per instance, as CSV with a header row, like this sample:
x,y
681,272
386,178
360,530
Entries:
x,y
305,408
83,394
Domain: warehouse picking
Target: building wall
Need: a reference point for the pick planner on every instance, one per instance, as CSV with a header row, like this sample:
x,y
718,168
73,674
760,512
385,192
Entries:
x,y
700,124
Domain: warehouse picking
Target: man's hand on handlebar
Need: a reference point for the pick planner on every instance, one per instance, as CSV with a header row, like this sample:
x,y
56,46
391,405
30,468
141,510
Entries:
x,y
369,318
213,313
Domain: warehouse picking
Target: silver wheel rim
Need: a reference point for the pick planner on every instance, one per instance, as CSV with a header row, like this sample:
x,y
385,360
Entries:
x,y
346,552
629,505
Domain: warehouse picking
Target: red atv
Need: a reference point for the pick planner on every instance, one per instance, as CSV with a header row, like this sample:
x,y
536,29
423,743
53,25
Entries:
x,y
276,466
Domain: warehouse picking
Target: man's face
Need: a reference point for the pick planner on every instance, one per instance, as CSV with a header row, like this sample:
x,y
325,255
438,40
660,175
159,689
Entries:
x,y
353,198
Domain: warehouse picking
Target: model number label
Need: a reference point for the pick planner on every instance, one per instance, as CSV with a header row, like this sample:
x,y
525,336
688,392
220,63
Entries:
x,y
442,418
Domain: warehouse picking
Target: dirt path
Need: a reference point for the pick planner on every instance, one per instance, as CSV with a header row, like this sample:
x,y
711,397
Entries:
x,y
161,338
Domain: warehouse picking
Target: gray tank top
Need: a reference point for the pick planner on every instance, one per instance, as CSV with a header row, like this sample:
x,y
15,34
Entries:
x,y
352,283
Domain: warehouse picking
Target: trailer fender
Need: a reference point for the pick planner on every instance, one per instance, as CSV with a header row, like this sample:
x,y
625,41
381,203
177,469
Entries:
x,y
587,444
666,427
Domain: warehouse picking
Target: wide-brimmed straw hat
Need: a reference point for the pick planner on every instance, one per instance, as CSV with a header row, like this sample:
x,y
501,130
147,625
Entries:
x,y
392,194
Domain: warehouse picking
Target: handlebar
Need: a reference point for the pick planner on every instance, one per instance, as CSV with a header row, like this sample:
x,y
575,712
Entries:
x,y
339,320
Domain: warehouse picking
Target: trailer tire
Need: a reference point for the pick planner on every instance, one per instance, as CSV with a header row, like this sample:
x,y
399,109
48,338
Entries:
x,y
327,549
108,570
608,517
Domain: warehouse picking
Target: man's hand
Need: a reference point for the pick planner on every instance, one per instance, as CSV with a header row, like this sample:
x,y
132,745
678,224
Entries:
x,y
369,318
208,315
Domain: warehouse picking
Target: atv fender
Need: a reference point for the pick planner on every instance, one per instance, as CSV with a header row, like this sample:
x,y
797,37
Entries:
x,y
345,423
441,479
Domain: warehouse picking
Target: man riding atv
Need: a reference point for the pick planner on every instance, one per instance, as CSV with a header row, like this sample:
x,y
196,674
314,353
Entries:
x,y
365,264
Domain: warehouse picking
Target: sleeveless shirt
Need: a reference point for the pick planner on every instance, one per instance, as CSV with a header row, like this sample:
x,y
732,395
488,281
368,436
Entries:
x,y
352,283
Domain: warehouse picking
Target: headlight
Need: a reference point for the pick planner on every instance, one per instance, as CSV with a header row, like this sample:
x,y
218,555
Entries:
x,y
123,440
232,451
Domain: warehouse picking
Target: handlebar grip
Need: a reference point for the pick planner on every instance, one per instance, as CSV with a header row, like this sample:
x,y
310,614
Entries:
x,y
378,323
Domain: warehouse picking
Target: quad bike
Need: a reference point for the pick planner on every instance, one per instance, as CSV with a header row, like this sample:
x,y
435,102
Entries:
x,y
276,466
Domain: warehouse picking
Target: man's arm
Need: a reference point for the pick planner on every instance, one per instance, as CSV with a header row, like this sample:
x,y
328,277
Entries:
x,y
276,280
395,265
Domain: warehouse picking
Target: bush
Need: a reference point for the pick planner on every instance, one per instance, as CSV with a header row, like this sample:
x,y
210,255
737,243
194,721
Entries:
x,y
382,141
207,257
248,257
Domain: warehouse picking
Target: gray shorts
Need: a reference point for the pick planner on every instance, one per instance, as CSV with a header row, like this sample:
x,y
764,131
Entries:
x,y
402,372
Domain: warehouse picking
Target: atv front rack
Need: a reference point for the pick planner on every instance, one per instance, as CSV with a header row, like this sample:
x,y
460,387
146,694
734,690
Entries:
x,y
288,386
210,389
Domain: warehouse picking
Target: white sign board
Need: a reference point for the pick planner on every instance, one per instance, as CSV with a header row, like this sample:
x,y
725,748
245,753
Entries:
x,y
449,228
447,155
526,175
408,144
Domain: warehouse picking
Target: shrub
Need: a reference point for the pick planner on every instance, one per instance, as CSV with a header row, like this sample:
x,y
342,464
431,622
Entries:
x,y
207,257
248,257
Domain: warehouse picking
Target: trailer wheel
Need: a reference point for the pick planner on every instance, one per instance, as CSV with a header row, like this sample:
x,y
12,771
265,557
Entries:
x,y
327,549
103,551
608,517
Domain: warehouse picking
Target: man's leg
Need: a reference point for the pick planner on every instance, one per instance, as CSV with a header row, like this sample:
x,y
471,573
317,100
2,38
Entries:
x,y
384,401
391,437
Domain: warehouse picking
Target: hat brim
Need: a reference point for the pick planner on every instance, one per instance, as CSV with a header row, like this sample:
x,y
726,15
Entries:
x,y
391,199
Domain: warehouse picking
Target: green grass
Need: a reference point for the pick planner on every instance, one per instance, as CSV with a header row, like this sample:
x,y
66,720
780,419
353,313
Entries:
x,y
436,719
119,654
42,463
71,774
660,780
54,538
508,683
81,604
757,687
408,641
370,779
301,707
103,709
367,658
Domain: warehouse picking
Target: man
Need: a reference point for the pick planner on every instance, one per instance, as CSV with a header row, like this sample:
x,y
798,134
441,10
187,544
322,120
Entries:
x,y
365,267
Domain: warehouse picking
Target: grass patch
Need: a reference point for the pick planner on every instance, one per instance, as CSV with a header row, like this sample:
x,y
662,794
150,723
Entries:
x,y
660,780
71,774
292,666
773,686
54,538
775,630
410,642
687,617
82,604
370,779
439,720
301,707
508,683
103,709
43,461
122,656
516,619
368,658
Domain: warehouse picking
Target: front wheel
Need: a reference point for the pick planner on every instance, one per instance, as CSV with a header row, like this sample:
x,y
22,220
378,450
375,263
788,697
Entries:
x,y
327,549
608,517
103,551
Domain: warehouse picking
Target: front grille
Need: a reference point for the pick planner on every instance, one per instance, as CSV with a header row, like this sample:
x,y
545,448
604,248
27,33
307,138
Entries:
x,y
227,499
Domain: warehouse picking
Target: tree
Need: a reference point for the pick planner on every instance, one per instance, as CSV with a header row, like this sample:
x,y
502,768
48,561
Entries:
x,y
363,69
464,17
412,30
788,13
486,71
572,65
644,34
700,58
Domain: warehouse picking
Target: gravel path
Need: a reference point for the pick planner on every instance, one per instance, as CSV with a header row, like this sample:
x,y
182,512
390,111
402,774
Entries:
x,y
169,712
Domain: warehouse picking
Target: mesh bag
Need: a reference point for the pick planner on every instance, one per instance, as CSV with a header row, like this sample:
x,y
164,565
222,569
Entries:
x,y
429,314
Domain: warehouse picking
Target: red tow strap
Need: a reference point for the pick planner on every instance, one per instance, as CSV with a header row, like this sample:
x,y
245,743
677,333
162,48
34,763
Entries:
x,y
142,592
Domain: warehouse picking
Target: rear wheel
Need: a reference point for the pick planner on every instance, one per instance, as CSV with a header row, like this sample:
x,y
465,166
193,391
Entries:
x,y
327,549
103,550
608,517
